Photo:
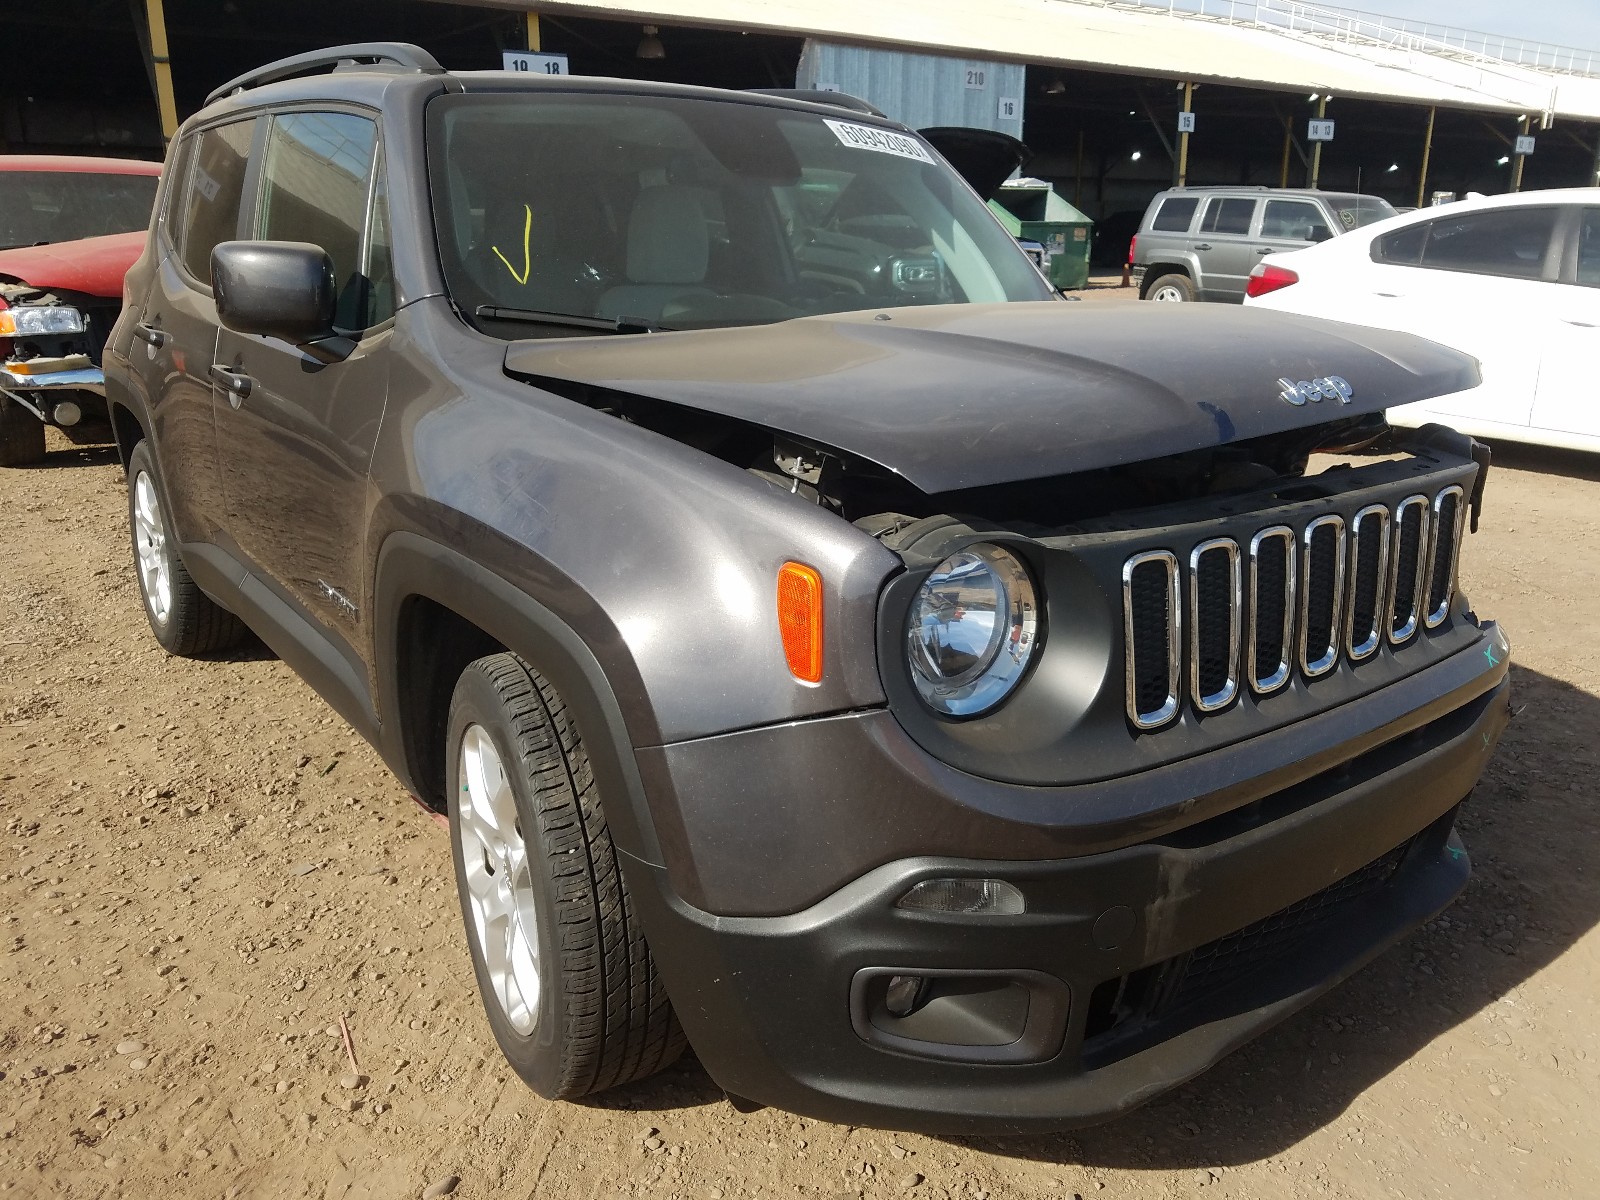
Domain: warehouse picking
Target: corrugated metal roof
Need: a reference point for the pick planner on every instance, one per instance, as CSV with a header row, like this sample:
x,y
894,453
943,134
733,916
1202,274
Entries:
x,y
1085,33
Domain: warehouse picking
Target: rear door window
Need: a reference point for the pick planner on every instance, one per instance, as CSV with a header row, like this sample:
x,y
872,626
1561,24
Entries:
x,y
212,201
1589,248
1294,220
1175,214
1510,243
1228,215
317,178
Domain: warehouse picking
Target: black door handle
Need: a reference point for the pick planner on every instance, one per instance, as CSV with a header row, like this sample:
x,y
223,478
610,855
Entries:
x,y
1202,246
149,334
236,381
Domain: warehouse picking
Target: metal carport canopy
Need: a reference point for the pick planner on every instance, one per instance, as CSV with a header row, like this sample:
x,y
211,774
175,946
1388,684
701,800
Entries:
x,y
1082,33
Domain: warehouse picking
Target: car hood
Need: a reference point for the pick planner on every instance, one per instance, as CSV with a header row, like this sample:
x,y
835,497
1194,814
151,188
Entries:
x,y
961,396
94,266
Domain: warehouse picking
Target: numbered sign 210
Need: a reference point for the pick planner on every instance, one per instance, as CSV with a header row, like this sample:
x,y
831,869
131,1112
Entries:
x,y
538,64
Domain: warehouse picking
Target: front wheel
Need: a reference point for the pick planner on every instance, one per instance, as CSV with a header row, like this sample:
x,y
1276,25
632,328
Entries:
x,y
184,619
21,435
1171,289
568,984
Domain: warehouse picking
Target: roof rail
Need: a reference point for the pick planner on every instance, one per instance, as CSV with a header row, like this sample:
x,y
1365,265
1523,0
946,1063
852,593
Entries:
x,y
395,54
812,96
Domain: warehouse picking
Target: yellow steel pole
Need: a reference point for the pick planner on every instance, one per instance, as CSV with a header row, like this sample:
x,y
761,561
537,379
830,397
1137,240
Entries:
x,y
1427,152
165,100
1183,138
1288,142
533,29
1316,148
1519,159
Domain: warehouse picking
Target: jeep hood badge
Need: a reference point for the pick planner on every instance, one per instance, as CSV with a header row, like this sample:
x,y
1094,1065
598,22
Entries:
x,y
1326,387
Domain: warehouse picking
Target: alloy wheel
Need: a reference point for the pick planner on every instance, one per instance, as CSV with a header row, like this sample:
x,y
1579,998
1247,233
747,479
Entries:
x,y
499,881
150,542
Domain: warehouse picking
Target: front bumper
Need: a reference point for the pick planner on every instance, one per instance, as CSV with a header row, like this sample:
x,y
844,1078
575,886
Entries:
x,y
1131,970
85,386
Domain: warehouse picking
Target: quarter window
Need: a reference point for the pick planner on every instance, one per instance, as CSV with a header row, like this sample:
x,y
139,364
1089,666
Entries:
x,y
1175,214
1589,248
317,178
1228,216
216,184
1294,220
1510,243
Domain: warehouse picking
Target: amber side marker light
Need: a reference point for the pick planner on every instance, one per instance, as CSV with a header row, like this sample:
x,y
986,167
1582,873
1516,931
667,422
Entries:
x,y
800,620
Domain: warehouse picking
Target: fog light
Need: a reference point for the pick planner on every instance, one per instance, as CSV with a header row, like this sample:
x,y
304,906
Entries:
x,y
66,412
985,897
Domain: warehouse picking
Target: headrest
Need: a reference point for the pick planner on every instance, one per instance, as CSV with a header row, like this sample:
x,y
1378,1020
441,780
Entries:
x,y
667,237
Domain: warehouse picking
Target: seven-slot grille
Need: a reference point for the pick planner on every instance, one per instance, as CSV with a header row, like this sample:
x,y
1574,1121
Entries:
x,y
1250,615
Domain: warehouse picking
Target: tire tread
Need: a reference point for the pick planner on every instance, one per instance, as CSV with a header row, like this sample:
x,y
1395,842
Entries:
x,y
622,1025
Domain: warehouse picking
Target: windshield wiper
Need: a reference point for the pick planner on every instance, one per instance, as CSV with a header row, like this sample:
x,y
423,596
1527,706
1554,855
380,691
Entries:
x,y
532,316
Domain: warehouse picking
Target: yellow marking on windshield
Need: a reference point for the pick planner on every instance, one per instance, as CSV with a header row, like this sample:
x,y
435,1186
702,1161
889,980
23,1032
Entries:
x,y
527,234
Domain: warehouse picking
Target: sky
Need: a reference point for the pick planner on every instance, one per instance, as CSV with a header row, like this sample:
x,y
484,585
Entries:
x,y
1562,22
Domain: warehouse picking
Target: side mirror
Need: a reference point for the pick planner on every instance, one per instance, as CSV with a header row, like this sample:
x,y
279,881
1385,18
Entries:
x,y
276,289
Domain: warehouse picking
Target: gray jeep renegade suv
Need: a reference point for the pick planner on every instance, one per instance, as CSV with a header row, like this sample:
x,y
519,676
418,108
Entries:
x,y
945,706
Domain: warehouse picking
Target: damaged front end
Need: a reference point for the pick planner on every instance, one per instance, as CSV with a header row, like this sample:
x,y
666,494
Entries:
x,y
50,347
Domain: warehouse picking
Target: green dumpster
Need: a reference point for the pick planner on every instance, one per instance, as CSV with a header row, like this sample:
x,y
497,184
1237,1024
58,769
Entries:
x,y
1031,209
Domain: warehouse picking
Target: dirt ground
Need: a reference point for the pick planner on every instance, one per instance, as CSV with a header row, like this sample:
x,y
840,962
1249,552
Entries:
x,y
204,870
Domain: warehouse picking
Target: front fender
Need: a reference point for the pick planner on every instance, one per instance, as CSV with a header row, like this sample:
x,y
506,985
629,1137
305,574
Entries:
x,y
410,565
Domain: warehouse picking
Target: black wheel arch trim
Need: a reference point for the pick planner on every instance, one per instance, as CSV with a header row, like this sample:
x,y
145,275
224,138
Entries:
x,y
409,565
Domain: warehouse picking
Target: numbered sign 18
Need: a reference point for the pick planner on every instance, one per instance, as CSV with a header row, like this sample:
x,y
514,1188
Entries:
x,y
523,61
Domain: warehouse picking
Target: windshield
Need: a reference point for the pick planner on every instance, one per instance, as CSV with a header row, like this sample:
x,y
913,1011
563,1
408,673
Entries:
x,y
1356,211
665,212
62,206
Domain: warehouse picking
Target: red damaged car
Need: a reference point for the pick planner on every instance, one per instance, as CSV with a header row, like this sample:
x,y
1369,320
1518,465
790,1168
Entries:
x,y
69,230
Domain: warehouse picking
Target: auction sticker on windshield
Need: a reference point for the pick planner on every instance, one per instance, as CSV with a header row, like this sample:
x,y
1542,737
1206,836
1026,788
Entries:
x,y
864,137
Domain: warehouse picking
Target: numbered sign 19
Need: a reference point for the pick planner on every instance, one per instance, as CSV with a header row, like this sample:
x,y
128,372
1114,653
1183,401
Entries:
x,y
523,61
1524,146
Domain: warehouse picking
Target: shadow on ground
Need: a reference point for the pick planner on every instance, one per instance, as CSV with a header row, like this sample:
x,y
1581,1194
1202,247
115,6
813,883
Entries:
x,y
1545,460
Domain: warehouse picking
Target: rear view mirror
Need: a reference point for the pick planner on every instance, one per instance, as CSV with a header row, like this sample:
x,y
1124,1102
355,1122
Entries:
x,y
275,289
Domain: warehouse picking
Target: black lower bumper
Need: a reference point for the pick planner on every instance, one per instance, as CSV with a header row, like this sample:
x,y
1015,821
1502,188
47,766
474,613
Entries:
x,y
1129,971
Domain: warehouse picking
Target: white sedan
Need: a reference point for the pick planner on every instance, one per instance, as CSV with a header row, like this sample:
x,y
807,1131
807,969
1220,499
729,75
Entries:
x,y
1513,280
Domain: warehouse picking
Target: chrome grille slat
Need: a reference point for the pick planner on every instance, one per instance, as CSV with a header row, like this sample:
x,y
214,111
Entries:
x,y
1202,620
1320,599
1409,561
1449,518
1137,614
1312,593
1368,582
1263,563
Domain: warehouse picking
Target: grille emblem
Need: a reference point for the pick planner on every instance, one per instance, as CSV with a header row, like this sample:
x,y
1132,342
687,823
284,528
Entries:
x,y
1314,391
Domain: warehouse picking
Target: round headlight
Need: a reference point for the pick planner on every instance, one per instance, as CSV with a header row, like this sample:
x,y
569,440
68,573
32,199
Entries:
x,y
972,630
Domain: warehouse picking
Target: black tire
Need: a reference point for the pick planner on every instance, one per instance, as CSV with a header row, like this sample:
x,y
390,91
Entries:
x,y
602,1017
1181,287
21,435
189,623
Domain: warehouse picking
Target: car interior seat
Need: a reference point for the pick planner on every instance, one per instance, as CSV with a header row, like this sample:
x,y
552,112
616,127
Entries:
x,y
669,252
